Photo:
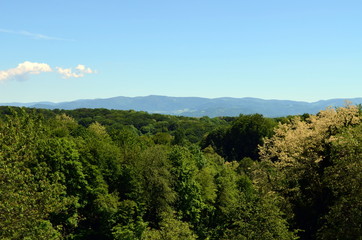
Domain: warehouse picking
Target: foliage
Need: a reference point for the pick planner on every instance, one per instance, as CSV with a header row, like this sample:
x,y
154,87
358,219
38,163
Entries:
x,y
242,138
344,217
107,174
28,193
304,160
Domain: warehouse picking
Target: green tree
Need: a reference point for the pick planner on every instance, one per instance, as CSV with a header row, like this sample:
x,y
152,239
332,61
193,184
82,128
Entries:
x,y
157,181
242,138
28,194
189,192
344,217
170,229
245,213
130,224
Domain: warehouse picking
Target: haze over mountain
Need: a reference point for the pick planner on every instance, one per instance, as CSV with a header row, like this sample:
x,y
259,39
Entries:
x,y
196,106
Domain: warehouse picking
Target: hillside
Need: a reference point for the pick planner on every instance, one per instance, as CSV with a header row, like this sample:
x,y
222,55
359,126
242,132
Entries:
x,y
197,107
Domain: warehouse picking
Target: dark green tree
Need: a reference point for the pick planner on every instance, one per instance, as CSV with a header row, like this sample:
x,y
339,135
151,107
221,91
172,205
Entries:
x,y
242,138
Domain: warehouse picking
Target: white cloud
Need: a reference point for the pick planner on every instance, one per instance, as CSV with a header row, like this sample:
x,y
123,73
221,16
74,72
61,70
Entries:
x,y
67,73
23,70
84,69
78,72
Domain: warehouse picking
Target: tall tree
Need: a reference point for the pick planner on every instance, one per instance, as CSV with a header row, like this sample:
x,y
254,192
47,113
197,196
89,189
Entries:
x,y
297,158
28,193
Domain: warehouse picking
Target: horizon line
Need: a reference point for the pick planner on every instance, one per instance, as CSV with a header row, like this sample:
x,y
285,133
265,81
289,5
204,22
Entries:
x,y
155,95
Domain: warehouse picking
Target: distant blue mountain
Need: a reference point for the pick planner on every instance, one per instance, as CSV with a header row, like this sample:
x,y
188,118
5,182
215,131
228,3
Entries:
x,y
197,107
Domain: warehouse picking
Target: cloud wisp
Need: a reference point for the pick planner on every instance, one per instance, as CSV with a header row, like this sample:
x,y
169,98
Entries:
x,y
37,36
25,69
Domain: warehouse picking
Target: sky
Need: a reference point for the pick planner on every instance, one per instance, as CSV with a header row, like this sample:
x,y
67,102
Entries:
x,y
272,49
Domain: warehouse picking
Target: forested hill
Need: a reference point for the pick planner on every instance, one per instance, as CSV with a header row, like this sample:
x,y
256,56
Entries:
x,y
197,107
128,175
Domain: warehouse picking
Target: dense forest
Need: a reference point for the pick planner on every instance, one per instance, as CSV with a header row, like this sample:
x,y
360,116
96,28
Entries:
x,y
110,174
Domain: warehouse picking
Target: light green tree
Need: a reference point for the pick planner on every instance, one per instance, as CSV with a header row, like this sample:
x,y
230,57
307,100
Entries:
x,y
298,160
28,193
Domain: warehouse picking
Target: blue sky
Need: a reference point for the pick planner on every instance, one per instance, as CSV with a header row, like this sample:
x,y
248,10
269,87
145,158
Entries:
x,y
271,49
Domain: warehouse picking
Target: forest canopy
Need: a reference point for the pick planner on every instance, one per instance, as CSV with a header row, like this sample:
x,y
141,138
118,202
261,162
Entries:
x,y
108,174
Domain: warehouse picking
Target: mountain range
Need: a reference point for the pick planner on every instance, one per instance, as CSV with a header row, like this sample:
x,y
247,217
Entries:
x,y
196,106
